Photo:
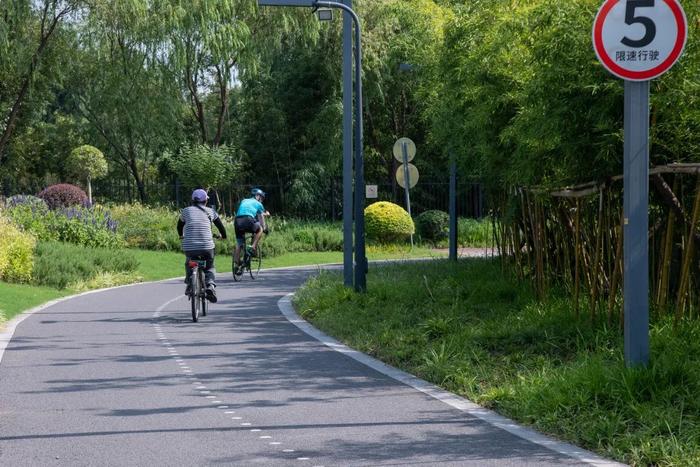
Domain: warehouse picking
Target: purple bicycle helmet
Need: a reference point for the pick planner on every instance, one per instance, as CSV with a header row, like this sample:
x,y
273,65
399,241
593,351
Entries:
x,y
199,195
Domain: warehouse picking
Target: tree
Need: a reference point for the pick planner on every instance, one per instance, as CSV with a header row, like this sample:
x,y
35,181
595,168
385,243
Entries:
x,y
201,166
87,163
19,63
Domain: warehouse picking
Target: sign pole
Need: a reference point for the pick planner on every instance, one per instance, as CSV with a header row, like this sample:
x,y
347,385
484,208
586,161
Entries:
x,y
636,223
453,208
407,182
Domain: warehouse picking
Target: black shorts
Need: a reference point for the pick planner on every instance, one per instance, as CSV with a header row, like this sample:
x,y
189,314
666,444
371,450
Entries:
x,y
245,224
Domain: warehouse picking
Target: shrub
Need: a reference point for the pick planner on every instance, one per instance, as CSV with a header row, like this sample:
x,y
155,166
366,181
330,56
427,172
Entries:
x,y
146,227
25,200
64,265
387,222
91,227
433,225
34,218
16,253
63,195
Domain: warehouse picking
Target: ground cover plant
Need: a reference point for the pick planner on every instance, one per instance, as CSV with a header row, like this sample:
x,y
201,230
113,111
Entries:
x,y
62,265
478,332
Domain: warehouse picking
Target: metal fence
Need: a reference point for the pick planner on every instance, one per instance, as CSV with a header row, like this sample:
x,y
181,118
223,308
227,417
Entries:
x,y
426,195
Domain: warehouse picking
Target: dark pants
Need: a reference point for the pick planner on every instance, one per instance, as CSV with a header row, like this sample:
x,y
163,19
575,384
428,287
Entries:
x,y
209,271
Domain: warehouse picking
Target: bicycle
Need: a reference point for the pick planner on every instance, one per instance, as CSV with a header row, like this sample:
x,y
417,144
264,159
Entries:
x,y
251,263
198,295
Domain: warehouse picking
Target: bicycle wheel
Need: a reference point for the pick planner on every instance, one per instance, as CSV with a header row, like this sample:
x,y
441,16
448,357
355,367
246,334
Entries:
x,y
233,268
203,293
255,263
194,298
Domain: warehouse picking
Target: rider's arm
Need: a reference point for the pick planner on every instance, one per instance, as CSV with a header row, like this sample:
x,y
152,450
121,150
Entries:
x,y
220,225
261,219
180,227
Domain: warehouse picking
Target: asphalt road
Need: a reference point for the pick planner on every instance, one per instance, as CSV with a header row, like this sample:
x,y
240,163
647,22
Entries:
x,y
123,377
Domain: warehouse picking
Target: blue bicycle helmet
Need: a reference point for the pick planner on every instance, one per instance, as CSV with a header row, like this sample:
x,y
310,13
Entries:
x,y
257,191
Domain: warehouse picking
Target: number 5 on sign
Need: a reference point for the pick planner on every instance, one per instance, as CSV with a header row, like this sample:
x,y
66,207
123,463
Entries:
x,y
638,40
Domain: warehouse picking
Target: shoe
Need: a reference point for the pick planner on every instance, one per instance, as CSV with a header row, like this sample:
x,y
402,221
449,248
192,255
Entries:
x,y
211,294
239,270
188,290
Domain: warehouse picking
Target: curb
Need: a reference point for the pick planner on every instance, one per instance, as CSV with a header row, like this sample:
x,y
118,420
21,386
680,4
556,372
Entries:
x,y
453,400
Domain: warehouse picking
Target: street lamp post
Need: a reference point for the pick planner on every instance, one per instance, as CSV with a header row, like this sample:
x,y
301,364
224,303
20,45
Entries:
x,y
360,255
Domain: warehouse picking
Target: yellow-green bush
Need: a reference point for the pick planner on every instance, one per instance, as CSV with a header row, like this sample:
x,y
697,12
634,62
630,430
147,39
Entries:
x,y
16,253
387,222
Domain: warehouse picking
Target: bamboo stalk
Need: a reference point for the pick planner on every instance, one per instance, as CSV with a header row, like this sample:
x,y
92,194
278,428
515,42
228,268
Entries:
x,y
667,256
577,252
688,257
616,271
598,254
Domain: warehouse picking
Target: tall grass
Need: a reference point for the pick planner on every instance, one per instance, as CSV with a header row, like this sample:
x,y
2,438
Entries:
x,y
479,333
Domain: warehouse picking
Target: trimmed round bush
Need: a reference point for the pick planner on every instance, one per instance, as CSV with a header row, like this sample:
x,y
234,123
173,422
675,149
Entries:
x,y
387,222
433,225
63,195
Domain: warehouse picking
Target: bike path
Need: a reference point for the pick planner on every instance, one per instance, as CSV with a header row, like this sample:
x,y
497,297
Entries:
x,y
123,377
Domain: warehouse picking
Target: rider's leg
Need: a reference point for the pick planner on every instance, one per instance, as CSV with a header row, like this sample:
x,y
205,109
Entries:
x,y
256,239
210,276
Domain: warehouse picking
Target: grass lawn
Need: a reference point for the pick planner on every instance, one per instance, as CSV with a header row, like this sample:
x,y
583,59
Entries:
x,y
157,265
15,298
475,331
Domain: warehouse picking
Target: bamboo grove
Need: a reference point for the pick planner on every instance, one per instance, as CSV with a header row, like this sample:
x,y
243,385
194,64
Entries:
x,y
572,237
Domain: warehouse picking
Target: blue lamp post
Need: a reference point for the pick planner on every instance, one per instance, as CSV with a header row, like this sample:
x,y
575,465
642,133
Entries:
x,y
360,255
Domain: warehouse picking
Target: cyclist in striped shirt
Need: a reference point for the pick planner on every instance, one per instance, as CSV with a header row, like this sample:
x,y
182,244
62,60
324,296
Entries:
x,y
194,228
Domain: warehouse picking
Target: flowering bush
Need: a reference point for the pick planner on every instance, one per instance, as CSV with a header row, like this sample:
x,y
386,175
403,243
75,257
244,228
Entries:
x,y
63,195
93,227
25,200
16,253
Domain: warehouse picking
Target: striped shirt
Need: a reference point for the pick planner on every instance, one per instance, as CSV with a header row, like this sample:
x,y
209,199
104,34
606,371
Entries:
x,y
197,231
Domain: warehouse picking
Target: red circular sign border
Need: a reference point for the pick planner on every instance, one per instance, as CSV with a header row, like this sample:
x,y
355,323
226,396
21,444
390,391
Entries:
x,y
639,75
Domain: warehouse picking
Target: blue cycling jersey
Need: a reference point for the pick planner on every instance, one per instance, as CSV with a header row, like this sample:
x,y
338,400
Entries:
x,y
250,207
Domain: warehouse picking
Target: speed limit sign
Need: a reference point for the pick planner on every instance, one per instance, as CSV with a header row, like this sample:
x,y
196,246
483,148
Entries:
x,y
638,40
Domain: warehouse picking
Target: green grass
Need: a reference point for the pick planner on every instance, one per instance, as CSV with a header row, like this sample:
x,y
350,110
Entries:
x,y
479,333
155,265
15,298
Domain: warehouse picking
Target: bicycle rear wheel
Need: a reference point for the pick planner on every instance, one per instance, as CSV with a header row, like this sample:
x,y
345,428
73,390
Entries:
x,y
203,294
194,298
255,263
233,268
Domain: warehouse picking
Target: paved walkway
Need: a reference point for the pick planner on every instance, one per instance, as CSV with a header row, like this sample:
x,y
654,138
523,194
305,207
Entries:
x,y
123,377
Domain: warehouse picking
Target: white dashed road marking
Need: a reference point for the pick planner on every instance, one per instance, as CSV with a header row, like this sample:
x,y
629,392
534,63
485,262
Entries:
x,y
198,386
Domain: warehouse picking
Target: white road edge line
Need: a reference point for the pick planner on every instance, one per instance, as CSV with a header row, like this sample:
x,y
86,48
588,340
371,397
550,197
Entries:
x,y
460,403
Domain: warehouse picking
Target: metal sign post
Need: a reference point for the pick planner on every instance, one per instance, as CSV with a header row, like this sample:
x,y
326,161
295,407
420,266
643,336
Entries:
x,y
638,40
453,208
407,178
636,223
404,151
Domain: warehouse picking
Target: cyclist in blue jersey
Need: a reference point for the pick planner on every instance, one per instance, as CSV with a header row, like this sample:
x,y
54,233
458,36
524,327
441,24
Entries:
x,y
250,217
194,228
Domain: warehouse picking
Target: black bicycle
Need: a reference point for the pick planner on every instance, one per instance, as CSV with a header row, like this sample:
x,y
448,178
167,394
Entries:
x,y
198,292
251,262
